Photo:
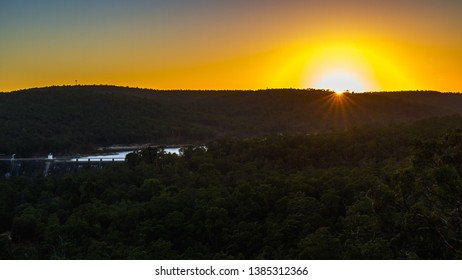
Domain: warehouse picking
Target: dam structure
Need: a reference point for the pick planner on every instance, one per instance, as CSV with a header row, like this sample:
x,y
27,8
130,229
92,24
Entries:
x,y
51,166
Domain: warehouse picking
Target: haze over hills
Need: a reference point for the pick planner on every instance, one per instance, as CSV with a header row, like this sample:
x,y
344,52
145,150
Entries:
x,y
69,119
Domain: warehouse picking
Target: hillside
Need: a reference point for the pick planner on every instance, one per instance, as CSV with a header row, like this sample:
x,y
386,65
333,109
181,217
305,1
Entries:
x,y
78,118
371,193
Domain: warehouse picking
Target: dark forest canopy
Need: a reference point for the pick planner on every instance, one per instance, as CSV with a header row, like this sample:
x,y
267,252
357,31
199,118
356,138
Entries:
x,y
286,174
390,192
68,119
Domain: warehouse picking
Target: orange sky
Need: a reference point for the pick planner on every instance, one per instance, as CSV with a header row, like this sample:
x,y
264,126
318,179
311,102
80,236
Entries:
x,y
201,44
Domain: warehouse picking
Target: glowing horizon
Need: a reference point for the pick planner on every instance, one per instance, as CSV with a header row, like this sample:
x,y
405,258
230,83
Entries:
x,y
199,44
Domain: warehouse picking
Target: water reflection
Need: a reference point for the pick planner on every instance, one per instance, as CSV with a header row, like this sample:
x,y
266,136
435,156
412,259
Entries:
x,y
119,156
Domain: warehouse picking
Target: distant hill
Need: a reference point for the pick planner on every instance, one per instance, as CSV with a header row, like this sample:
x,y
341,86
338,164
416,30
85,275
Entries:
x,y
69,119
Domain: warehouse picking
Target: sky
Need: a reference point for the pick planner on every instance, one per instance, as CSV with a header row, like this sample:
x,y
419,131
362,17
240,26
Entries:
x,y
354,45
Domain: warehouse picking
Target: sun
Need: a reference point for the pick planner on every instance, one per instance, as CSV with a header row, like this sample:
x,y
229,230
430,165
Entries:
x,y
341,67
340,81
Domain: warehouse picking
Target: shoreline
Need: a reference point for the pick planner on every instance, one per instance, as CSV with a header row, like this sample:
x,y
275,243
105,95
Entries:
x,y
140,146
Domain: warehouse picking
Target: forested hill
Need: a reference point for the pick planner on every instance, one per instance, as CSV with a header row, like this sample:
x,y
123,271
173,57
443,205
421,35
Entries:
x,y
76,118
372,193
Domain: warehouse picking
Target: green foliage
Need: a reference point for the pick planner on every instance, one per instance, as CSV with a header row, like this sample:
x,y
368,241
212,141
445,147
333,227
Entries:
x,y
320,245
391,192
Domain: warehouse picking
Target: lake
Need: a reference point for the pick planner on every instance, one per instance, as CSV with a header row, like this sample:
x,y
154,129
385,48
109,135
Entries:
x,y
119,156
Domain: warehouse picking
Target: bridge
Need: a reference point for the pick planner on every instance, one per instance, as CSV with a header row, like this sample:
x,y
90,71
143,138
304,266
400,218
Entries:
x,y
36,166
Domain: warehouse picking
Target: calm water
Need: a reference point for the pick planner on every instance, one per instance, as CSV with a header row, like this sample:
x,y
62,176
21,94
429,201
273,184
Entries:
x,y
119,156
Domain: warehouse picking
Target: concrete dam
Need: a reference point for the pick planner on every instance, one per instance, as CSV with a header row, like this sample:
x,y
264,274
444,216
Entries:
x,y
50,166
